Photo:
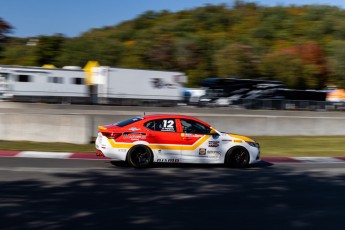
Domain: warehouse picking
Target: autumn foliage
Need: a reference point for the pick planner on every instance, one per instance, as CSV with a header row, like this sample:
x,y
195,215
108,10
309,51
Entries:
x,y
303,46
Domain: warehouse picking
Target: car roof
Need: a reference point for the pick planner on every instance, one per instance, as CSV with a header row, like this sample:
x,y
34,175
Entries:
x,y
166,116
178,116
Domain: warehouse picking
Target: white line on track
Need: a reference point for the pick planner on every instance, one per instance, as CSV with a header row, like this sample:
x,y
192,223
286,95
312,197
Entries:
x,y
34,154
318,160
49,170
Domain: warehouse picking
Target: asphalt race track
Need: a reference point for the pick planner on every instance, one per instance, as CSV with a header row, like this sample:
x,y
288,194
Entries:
x,y
49,194
96,194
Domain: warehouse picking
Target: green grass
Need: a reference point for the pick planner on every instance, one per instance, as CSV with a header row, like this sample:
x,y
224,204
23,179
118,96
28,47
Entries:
x,y
51,147
328,146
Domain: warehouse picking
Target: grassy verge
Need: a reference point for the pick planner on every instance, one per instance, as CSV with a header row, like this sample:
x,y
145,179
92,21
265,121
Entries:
x,y
50,147
328,146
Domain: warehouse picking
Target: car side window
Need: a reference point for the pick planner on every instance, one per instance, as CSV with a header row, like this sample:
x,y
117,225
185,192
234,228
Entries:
x,y
163,125
190,126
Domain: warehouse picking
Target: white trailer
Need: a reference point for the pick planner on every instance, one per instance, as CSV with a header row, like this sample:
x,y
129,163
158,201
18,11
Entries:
x,y
135,86
116,86
35,84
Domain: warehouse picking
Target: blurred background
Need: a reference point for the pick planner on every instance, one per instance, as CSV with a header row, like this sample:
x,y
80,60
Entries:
x,y
259,63
240,54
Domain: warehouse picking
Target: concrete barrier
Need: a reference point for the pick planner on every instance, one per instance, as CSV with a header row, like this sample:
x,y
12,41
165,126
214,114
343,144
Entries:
x,y
45,128
258,125
82,128
278,125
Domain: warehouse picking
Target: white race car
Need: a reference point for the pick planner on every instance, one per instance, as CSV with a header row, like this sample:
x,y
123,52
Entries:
x,y
173,139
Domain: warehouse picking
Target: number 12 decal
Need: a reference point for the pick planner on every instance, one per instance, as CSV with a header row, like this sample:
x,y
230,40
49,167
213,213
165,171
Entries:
x,y
168,124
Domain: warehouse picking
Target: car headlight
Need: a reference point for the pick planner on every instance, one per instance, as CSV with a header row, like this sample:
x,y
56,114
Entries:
x,y
253,144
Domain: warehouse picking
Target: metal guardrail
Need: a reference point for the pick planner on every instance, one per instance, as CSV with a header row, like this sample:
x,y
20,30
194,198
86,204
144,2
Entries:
x,y
266,104
289,105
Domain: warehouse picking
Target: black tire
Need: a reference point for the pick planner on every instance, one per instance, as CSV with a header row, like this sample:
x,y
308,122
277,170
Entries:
x,y
237,157
140,156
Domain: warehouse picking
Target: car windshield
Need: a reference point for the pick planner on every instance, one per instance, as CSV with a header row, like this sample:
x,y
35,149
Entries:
x,y
128,121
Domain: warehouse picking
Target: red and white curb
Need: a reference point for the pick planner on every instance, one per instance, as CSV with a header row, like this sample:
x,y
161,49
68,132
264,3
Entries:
x,y
53,155
92,156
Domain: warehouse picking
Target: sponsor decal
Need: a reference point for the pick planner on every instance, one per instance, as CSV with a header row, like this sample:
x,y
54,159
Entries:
x,y
212,153
168,160
238,141
134,136
213,143
228,140
202,151
187,134
159,83
168,129
133,129
122,150
191,135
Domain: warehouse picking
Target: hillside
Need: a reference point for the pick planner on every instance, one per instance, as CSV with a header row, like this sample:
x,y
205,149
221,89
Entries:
x,y
303,46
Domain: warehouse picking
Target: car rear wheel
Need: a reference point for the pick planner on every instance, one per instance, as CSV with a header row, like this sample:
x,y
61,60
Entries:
x,y
237,157
140,156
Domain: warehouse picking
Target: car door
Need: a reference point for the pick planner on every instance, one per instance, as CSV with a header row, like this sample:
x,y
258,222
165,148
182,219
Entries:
x,y
164,139
200,146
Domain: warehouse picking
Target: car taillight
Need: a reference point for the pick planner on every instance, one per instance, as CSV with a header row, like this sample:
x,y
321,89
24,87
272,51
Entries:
x,y
111,135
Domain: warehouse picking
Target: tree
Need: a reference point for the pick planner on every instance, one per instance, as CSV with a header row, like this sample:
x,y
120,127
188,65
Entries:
x,y
78,51
194,56
301,66
48,49
236,60
17,52
4,29
285,67
315,63
160,55
337,63
287,43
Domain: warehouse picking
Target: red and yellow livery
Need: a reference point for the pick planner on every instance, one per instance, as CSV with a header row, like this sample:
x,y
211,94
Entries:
x,y
173,139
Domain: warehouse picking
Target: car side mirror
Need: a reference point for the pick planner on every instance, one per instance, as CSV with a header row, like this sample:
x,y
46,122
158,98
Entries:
x,y
214,132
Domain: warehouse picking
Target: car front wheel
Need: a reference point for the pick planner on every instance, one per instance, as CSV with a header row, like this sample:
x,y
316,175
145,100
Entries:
x,y
140,156
237,157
